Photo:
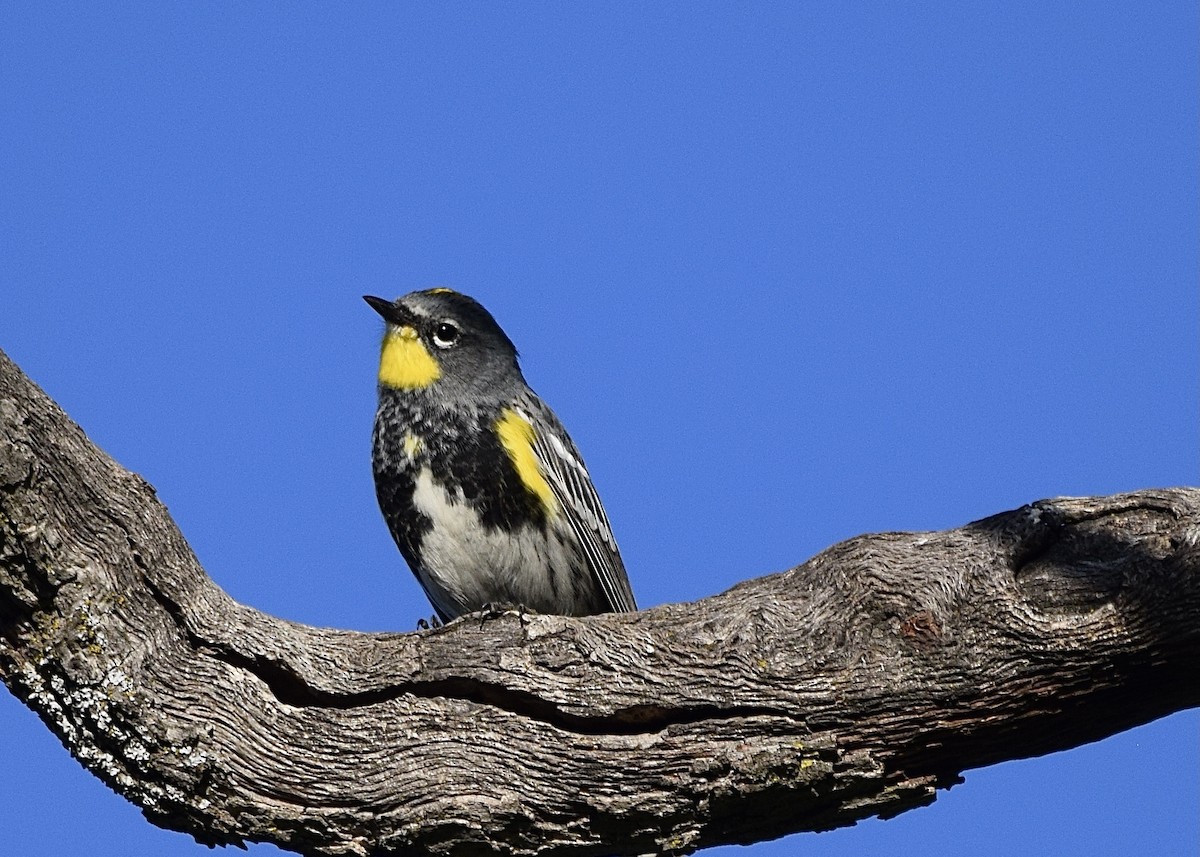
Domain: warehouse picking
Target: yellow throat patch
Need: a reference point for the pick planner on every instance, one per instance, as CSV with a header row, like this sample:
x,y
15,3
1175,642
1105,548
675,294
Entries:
x,y
404,362
516,435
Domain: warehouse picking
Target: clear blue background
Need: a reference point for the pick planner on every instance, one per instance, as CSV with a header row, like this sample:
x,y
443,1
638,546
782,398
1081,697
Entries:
x,y
789,272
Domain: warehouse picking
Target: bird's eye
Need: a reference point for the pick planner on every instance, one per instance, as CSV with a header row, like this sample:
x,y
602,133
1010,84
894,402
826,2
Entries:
x,y
445,334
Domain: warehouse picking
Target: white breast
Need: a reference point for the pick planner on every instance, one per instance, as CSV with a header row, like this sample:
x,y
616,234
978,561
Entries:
x,y
465,565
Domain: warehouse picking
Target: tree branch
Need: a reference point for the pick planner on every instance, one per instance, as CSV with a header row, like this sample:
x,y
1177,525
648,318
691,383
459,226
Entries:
x,y
853,685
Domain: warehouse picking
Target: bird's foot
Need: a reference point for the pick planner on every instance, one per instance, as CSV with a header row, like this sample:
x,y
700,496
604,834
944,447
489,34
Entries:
x,y
496,609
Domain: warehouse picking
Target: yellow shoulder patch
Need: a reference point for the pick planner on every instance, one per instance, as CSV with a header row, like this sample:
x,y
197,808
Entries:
x,y
404,362
516,435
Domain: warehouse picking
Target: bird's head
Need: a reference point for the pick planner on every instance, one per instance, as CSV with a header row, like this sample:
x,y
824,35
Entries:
x,y
440,336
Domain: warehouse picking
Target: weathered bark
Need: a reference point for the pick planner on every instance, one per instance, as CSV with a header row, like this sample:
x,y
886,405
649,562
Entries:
x,y
853,685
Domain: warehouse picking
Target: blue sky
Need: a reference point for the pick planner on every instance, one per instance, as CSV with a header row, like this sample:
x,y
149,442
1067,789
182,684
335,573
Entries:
x,y
788,272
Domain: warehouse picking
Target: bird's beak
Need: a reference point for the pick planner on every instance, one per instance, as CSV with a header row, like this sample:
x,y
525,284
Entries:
x,y
391,312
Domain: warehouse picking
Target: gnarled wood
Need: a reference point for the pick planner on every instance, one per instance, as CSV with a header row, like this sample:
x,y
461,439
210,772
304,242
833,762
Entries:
x,y
853,685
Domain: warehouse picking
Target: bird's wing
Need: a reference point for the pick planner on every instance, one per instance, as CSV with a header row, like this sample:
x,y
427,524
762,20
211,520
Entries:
x,y
563,469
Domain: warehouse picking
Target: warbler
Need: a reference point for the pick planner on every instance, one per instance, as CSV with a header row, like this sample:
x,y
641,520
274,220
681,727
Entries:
x,y
484,492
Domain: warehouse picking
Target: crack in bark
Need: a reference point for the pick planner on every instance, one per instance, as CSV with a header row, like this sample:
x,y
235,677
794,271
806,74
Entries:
x,y
290,688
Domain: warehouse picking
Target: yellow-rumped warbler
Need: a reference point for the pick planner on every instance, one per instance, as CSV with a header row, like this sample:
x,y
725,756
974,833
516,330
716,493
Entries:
x,y
484,492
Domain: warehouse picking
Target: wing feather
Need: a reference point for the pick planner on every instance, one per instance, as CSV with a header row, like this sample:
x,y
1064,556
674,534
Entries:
x,y
563,468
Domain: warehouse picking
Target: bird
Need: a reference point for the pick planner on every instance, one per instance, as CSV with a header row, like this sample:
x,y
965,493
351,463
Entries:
x,y
481,487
